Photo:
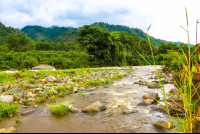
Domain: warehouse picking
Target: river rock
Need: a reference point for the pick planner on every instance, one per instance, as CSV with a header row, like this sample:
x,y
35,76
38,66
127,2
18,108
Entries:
x,y
16,90
31,95
50,78
176,98
28,112
6,98
163,124
154,85
59,81
8,130
94,107
34,76
74,110
173,91
6,85
129,111
150,97
75,90
144,104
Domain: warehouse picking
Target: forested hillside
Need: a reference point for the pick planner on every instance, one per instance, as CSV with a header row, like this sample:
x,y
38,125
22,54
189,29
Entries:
x,y
69,34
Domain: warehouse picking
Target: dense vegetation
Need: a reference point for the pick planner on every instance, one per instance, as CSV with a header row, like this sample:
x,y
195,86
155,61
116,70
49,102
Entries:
x,y
95,45
70,34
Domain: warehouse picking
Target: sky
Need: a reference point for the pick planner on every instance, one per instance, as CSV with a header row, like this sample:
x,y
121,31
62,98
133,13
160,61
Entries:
x,y
165,17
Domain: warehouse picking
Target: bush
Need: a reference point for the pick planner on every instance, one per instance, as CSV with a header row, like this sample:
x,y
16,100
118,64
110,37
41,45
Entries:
x,y
7,109
60,108
90,82
41,99
61,88
31,81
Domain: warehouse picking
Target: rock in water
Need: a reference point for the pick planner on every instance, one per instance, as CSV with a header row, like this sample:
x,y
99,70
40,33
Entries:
x,y
163,124
150,97
28,112
74,110
94,107
6,98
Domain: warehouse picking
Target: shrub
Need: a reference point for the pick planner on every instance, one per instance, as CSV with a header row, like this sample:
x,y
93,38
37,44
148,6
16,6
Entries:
x,y
90,82
74,79
7,109
31,81
41,99
61,88
60,108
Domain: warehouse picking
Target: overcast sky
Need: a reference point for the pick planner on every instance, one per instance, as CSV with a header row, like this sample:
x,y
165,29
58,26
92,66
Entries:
x,y
165,16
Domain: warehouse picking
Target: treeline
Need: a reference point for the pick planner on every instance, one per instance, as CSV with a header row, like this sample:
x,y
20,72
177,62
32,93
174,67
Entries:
x,y
94,47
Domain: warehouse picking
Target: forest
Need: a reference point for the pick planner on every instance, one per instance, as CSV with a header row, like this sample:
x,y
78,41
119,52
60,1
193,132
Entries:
x,y
96,45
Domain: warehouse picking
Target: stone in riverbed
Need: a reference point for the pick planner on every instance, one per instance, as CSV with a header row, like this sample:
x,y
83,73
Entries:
x,y
150,97
51,78
28,112
155,85
74,110
163,124
144,104
6,98
129,111
94,107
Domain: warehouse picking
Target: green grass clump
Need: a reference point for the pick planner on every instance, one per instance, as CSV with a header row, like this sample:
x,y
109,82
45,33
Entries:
x,y
74,79
31,81
41,99
51,92
61,88
81,94
8,109
60,108
53,99
90,82
117,76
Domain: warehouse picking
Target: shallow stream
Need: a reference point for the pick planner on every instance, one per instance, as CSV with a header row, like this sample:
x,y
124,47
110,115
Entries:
x,y
122,94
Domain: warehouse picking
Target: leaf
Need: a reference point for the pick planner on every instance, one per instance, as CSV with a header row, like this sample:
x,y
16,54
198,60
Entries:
x,y
169,124
198,49
197,65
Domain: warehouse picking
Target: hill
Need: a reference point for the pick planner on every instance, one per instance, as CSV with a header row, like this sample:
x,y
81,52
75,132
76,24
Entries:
x,y
5,32
70,34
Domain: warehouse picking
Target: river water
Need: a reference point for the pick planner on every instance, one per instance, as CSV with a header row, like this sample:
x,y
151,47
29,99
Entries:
x,y
122,94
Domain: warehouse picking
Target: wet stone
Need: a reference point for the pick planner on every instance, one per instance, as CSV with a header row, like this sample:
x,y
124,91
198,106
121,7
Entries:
x,y
144,104
28,112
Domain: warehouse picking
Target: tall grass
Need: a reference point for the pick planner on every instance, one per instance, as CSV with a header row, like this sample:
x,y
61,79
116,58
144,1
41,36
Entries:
x,y
186,88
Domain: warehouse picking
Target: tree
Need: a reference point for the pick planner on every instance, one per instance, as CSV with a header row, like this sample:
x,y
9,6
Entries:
x,y
94,39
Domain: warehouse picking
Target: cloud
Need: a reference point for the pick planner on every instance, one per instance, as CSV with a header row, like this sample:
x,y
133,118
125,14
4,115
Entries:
x,y
165,16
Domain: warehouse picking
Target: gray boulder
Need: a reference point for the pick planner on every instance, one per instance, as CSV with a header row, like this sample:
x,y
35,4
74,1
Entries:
x,y
28,112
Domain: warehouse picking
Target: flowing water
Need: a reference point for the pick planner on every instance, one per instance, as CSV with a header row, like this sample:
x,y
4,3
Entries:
x,y
122,94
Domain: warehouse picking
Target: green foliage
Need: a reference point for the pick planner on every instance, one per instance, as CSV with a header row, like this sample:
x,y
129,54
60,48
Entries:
x,y
81,94
61,89
60,108
74,79
51,92
31,81
53,99
41,99
7,109
90,82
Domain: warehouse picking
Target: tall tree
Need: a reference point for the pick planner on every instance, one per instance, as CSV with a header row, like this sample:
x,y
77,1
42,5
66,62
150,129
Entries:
x,y
94,39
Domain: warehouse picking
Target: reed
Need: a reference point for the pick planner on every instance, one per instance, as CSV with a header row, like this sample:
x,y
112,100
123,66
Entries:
x,y
185,123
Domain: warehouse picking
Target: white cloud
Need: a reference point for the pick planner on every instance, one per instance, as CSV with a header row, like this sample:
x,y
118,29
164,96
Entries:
x,y
165,16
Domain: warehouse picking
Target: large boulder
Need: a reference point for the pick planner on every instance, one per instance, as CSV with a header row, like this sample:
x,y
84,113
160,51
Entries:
x,y
163,124
94,107
43,67
151,97
6,98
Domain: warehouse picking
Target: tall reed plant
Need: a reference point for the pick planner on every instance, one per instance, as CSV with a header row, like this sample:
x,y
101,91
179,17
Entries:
x,y
186,88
